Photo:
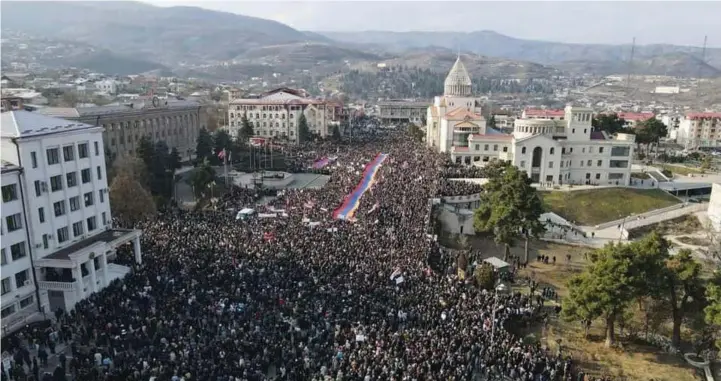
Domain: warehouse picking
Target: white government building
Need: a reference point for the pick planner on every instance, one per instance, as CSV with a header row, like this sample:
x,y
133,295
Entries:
x,y
58,243
553,151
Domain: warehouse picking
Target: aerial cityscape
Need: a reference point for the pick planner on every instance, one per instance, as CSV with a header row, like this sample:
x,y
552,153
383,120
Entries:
x,y
360,191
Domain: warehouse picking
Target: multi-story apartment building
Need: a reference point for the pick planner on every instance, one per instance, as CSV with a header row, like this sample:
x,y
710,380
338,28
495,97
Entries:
x,y
19,300
399,111
700,130
62,191
672,122
176,122
553,149
276,114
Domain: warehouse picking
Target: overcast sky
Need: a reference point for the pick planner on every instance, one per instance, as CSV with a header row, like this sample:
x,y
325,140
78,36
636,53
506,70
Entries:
x,y
682,22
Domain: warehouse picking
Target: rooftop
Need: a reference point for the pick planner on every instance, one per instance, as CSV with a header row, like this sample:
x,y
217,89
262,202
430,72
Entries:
x,y
8,167
636,116
21,124
529,112
703,115
106,236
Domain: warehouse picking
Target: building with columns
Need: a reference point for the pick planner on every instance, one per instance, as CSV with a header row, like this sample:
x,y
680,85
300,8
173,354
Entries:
x,y
176,122
552,148
56,218
276,114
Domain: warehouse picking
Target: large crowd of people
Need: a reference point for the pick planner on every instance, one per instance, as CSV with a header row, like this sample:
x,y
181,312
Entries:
x,y
303,296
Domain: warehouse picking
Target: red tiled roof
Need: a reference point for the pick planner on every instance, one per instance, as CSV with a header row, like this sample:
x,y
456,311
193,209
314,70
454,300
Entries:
x,y
636,116
531,112
461,113
703,115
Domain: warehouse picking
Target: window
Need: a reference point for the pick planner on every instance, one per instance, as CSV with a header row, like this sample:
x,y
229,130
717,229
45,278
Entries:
x,y
78,229
74,203
88,197
598,176
523,150
599,163
59,208
105,220
85,175
478,146
27,301
570,149
6,287
97,148
68,153
101,196
17,251
100,172
485,147
523,164
38,188
71,179
600,149
590,149
13,222
618,164
21,279
495,147
83,150
63,235
8,310
615,176
582,163
550,164
92,225
585,130
583,150
53,156
620,151
34,159
588,163
563,151
41,215
45,241
573,131
56,183
10,192
505,149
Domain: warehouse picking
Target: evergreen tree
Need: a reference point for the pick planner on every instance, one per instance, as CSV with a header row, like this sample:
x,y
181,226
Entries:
x,y
145,151
204,147
610,123
246,130
303,130
682,284
510,206
713,309
201,177
335,134
491,122
174,160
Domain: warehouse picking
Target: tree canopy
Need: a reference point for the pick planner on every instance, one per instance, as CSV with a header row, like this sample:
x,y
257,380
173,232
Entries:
x,y
650,131
246,129
510,208
609,123
130,201
204,146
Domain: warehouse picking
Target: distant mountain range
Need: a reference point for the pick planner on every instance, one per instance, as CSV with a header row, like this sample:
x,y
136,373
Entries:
x,y
599,59
178,37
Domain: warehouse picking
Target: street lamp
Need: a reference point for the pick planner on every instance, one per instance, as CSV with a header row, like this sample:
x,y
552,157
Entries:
x,y
502,288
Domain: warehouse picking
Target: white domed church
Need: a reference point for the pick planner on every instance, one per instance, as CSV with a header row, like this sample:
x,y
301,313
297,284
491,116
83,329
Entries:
x,y
553,151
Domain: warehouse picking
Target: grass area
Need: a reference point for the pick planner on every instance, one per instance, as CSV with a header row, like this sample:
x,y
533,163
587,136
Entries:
x,y
640,175
687,224
595,206
635,361
681,170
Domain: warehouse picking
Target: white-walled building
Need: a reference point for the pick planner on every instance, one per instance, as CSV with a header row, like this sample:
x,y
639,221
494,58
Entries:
x,y
109,86
63,190
18,298
277,112
552,148
700,129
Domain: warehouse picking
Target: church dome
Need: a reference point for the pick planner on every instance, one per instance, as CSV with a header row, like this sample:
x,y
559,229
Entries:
x,y
458,82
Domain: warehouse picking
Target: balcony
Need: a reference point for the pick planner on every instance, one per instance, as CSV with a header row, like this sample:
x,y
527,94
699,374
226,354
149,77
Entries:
x,y
114,272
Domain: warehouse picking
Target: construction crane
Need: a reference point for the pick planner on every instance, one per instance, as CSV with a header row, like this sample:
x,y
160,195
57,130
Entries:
x,y
700,67
630,67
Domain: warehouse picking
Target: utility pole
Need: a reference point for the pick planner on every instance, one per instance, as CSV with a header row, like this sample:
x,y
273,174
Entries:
x,y
630,67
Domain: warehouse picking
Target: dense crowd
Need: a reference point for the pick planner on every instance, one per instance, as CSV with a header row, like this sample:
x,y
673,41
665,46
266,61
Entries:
x,y
304,297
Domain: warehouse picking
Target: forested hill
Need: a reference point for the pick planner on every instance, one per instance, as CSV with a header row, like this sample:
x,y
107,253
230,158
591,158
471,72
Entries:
x,y
403,82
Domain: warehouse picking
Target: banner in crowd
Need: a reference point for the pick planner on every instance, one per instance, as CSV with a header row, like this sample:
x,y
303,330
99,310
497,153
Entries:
x,y
347,209
323,162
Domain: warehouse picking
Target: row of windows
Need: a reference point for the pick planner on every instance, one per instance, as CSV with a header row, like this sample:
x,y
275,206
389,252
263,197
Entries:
x,y
17,251
495,147
71,180
588,163
53,154
60,209
11,309
22,279
79,228
267,108
153,122
158,135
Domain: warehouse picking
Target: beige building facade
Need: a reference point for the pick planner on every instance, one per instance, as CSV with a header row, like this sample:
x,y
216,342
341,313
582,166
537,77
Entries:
x,y
277,113
177,123
391,112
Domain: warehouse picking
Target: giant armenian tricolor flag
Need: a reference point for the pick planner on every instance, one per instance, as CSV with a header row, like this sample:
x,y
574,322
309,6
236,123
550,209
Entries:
x,y
347,209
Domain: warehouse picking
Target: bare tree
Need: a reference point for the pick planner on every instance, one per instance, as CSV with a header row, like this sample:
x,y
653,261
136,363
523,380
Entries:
x,y
129,200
